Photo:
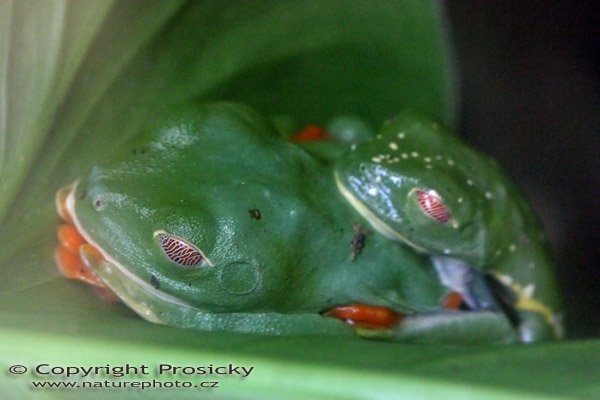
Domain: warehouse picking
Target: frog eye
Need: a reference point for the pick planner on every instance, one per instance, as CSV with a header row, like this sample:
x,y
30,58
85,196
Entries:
x,y
179,250
433,206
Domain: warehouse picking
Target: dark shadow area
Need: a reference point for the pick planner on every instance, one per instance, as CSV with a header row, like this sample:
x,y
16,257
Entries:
x,y
530,77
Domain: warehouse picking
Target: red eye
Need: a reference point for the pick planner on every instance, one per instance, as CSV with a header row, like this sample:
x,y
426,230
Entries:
x,y
433,206
179,250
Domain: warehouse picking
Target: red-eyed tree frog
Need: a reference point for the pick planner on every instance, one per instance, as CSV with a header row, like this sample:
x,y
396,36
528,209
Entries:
x,y
214,221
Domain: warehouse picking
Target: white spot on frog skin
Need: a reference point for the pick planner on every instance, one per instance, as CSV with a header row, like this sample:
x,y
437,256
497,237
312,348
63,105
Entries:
x,y
469,182
507,280
446,251
376,159
512,247
378,179
379,136
488,195
372,191
438,157
450,162
460,200
353,147
529,290
393,145
428,166
414,154
401,135
427,159
404,155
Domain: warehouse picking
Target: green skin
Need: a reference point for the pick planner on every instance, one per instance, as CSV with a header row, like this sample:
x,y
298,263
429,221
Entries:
x,y
200,169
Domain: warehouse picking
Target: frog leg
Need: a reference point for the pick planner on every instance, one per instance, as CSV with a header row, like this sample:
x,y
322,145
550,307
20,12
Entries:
x,y
450,327
468,283
460,327
162,308
534,320
496,292
67,254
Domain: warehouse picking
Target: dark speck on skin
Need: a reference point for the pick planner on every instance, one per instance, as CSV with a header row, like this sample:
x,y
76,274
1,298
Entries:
x,y
154,282
359,240
82,195
255,213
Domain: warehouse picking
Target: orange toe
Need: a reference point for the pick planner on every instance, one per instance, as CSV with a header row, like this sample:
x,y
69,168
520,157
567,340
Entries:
x,y
71,267
310,133
453,301
364,316
70,238
68,263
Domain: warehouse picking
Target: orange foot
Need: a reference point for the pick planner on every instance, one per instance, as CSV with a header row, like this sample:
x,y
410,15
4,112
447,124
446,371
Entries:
x,y
453,301
310,133
366,317
67,254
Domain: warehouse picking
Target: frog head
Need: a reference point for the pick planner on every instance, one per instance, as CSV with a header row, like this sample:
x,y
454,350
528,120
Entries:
x,y
418,184
175,253
167,229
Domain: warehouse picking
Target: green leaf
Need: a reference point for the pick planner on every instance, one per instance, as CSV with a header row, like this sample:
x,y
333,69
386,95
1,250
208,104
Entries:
x,y
77,79
41,51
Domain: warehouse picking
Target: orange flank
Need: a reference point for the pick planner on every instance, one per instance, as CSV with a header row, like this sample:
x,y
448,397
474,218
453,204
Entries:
x,y
452,301
69,238
310,133
368,317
